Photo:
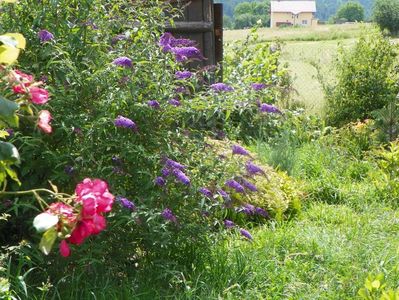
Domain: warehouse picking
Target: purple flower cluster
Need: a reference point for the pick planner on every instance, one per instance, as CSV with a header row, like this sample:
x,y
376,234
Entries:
x,y
117,38
224,195
229,224
174,168
124,122
237,149
249,185
268,108
45,36
167,214
221,87
153,104
174,102
206,192
258,86
235,185
126,203
253,169
183,49
123,61
246,234
251,210
183,75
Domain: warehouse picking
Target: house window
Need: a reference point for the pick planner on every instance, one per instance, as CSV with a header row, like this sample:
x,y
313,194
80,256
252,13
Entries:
x,y
304,22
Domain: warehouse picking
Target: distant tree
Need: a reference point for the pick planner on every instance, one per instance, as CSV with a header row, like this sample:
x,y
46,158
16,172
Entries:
x,y
227,22
351,11
246,14
386,15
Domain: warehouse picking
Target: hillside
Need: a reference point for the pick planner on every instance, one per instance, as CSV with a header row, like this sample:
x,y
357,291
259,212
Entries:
x,y
325,8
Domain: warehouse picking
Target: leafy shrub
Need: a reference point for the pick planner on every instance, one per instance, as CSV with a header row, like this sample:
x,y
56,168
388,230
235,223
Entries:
x,y
366,79
351,11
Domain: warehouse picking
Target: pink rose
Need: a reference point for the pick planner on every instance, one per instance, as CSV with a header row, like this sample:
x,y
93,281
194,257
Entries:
x,y
38,95
97,190
44,120
22,81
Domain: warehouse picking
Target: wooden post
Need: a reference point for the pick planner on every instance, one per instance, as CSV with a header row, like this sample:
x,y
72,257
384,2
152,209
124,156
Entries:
x,y
218,20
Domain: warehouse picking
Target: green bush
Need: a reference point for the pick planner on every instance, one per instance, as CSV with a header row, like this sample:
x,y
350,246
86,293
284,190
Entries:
x,y
366,79
386,15
351,11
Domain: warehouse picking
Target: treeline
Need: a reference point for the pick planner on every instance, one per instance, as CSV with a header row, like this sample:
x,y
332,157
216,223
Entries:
x,y
248,12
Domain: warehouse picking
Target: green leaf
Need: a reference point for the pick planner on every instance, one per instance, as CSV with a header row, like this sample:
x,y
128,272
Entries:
x,y
9,153
13,175
47,241
44,222
8,54
8,111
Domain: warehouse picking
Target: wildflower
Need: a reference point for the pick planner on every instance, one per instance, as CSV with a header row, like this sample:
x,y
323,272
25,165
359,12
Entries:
x,y
167,42
126,203
174,102
247,209
183,74
123,61
44,121
117,38
260,211
45,36
268,108
235,185
65,251
174,164
221,87
181,177
253,169
223,194
69,170
181,42
184,54
153,104
124,122
258,86
165,172
229,224
250,186
160,181
246,234
206,192
38,95
181,90
237,149
168,215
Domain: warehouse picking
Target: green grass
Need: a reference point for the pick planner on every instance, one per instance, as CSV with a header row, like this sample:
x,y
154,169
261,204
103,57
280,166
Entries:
x,y
317,33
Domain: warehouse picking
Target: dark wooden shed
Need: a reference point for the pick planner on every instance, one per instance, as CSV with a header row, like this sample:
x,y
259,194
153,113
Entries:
x,y
202,21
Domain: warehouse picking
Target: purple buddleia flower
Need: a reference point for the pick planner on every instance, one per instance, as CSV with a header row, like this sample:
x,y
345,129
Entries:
x,y
229,224
250,186
117,38
117,160
237,149
246,234
260,211
118,170
268,108
247,209
69,170
174,102
153,104
206,192
258,86
45,36
235,185
181,90
253,169
183,75
181,42
185,54
165,172
123,61
164,41
223,194
167,214
174,164
160,181
126,203
221,87
180,176
124,122
10,132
